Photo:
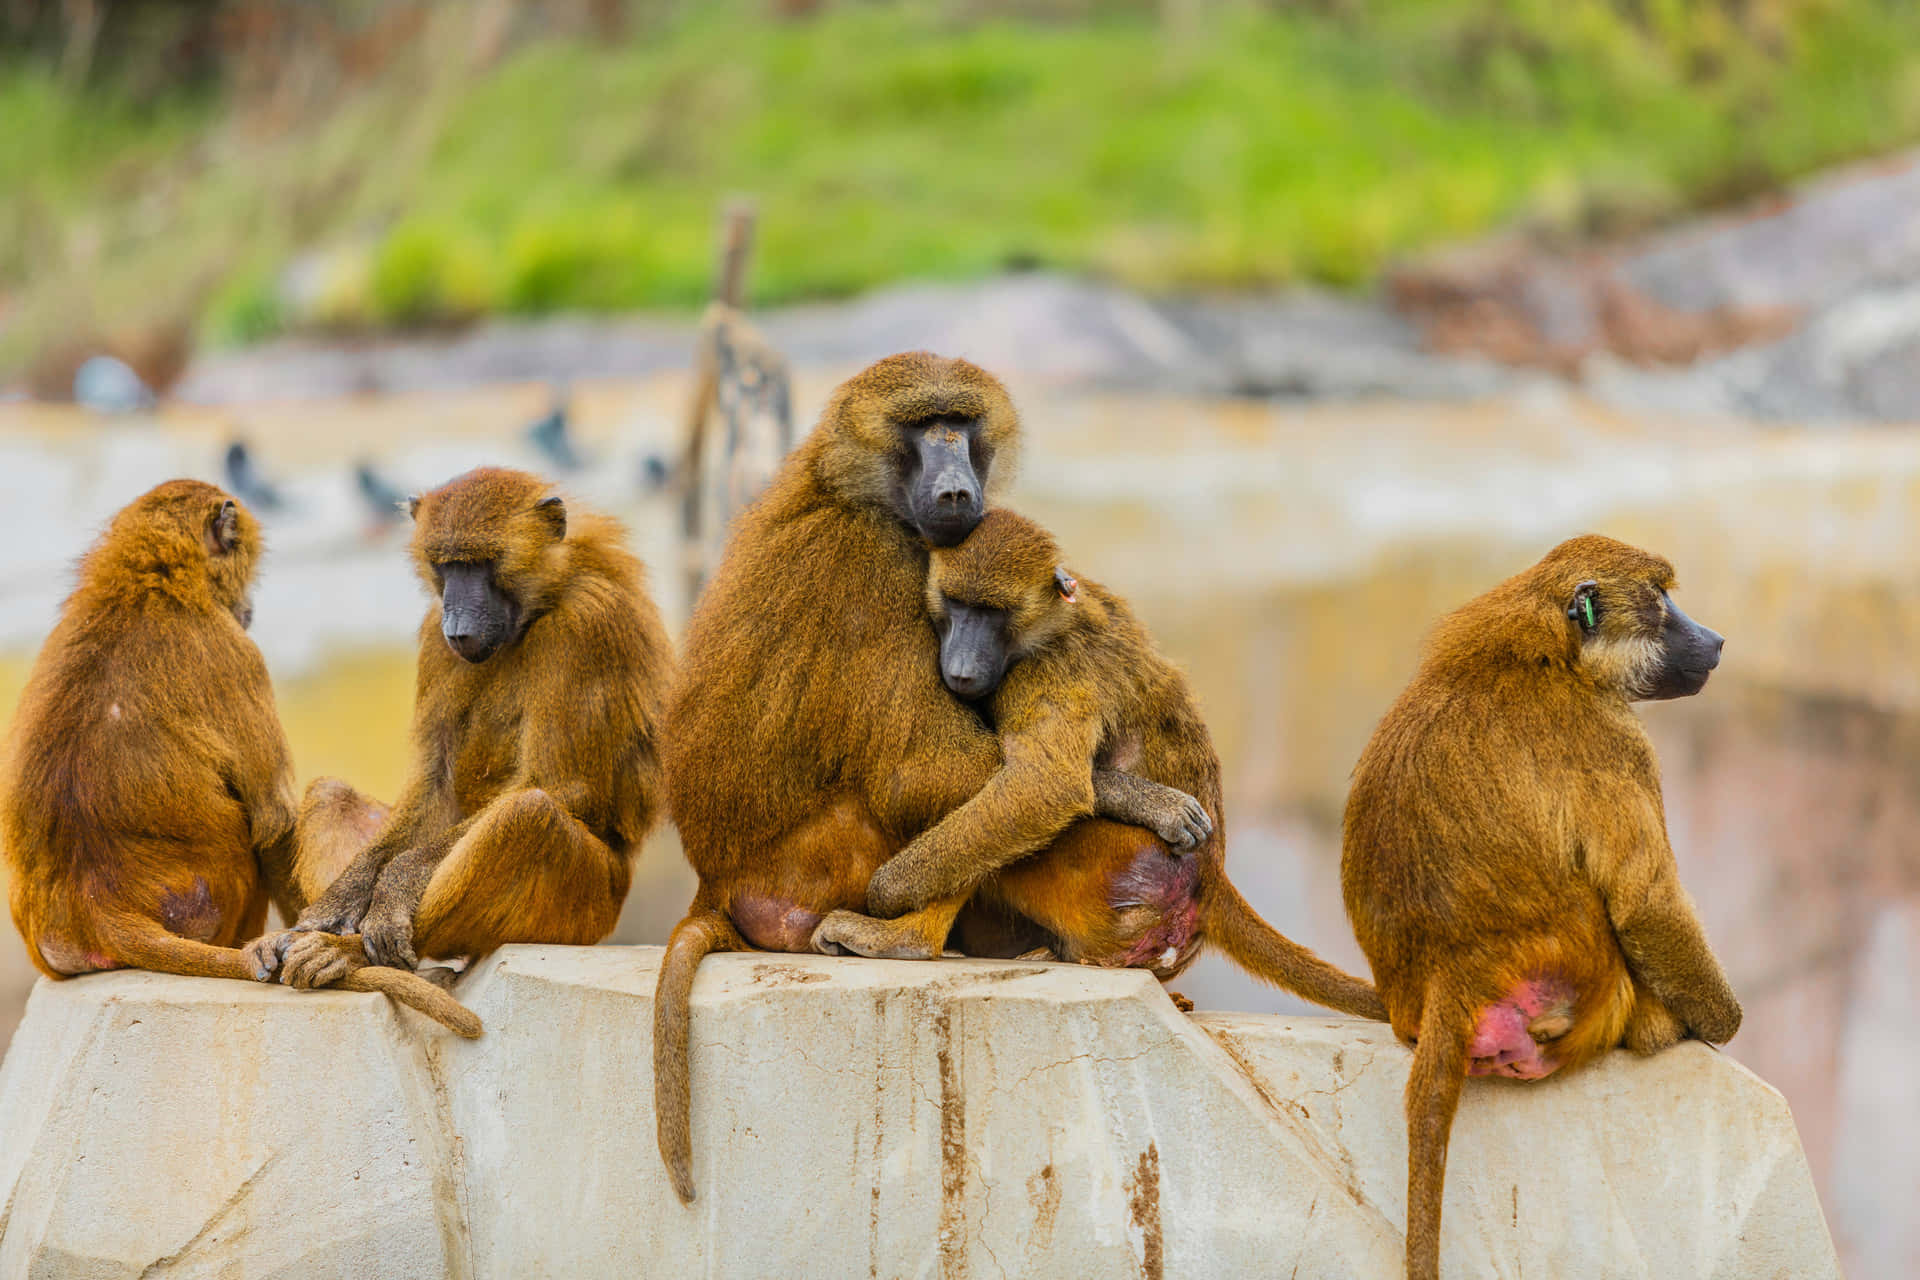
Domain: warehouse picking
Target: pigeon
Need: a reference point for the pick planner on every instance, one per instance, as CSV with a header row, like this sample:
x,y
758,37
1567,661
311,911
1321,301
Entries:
x,y
247,483
550,436
108,384
656,473
384,502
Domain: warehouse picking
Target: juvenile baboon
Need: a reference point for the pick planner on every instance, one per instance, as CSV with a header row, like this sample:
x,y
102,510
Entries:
x,y
808,736
1506,864
148,778
536,726
1092,719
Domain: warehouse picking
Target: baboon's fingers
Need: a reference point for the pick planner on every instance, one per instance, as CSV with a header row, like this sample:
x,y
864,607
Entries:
x,y
389,941
263,956
315,960
1189,828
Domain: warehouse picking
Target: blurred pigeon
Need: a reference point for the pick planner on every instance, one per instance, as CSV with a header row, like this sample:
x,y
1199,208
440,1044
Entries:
x,y
108,384
656,473
385,503
550,436
246,483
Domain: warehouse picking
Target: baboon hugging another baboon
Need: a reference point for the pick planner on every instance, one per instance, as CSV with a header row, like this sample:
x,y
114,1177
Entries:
x,y
1091,719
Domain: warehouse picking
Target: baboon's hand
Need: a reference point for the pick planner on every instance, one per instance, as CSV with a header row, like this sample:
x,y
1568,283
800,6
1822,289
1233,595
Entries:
x,y
388,938
318,959
1181,822
263,954
1168,812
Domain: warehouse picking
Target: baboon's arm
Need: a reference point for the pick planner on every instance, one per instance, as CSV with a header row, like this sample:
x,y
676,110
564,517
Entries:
x,y
1044,784
387,927
1632,865
345,902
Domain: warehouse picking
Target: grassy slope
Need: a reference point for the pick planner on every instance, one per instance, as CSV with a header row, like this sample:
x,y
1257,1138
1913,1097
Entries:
x,y
1255,147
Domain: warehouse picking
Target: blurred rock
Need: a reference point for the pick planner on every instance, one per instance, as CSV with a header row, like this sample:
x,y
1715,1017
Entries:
x,y
1521,304
1838,234
1044,327
850,1117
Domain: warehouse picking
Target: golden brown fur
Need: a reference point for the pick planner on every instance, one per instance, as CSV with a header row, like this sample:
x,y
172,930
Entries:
x,y
1506,851
1088,708
809,736
535,773
148,778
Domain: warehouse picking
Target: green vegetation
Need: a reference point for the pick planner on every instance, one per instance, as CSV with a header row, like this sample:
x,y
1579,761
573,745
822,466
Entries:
x,y
1245,146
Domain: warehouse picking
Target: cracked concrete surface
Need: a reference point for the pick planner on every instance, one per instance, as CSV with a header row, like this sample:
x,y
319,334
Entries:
x,y
851,1117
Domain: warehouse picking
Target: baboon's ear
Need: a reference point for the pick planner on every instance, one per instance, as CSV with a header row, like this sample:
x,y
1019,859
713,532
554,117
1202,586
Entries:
x,y
223,531
411,505
1064,580
555,512
1584,608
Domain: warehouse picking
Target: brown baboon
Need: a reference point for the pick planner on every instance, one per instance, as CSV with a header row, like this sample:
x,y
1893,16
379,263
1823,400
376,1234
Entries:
x,y
1092,720
536,725
148,778
1506,862
809,736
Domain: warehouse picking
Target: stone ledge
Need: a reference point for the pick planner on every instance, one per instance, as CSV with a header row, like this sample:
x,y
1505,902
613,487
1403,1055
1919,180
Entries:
x,y
852,1117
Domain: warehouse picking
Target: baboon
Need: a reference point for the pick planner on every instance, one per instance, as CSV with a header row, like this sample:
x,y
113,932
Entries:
x,y
1506,865
1092,719
808,736
148,780
536,726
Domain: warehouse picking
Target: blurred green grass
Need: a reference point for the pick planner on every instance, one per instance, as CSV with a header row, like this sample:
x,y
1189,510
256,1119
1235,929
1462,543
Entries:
x,y
1251,146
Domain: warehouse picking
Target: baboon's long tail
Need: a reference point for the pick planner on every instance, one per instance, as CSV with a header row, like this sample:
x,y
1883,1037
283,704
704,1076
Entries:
x,y
1271,956
693,938
1433,1093
416,992
147,946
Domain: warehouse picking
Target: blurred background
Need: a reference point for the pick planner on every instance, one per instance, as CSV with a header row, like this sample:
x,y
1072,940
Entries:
x,y
1323,316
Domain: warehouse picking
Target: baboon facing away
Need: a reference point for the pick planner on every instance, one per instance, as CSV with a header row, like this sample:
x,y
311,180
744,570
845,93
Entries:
x,y
535,771
1506,865
148,782
1092,720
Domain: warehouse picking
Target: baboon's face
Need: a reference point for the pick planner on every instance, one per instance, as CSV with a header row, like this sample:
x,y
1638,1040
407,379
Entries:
x,y
942,478
477,616
975,647
488,544
1637,639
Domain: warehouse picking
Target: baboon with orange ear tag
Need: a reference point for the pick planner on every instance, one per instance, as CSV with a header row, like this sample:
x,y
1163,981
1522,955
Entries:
x,y
1506,865
148,783
1108,768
